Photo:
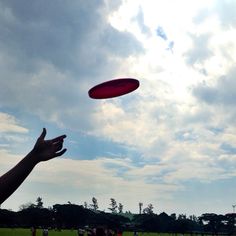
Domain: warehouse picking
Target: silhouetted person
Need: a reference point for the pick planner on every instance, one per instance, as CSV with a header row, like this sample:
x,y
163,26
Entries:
x,y
119,233
80,232
90,232
33,231
45,232
100,231
43,150
110,232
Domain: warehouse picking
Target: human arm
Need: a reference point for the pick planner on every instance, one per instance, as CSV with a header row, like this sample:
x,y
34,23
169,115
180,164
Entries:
x,y
43,150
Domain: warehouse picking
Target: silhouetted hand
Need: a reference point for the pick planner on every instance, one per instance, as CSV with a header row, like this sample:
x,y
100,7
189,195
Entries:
x,y
47,149
43,150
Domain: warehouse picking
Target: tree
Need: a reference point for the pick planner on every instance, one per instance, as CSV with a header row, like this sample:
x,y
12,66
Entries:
x,y
173,216
113,205
120,208
212,222
39,202
148,209
231,219
140,207
85,205
182,217
94,204
28,205
193,218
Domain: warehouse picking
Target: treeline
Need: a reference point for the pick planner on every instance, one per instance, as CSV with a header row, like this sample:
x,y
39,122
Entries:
x,y
65,216
68,216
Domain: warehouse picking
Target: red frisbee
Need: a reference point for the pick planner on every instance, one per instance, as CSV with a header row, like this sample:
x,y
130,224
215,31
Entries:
x,y
113,88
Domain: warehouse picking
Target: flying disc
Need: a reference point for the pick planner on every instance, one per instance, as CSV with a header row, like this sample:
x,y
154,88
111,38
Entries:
x,y
113,88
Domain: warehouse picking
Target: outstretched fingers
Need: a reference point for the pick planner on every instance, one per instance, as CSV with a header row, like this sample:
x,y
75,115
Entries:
x,y
58,139
57,154
58,146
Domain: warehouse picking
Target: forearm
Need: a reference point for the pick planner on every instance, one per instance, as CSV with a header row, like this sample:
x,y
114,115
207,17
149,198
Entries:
x,y
43,150
10,181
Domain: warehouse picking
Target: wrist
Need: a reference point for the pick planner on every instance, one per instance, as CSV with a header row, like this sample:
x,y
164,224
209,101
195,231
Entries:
x,y
32,158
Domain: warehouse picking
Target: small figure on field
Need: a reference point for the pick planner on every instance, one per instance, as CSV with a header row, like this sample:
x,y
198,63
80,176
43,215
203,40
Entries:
x,y
110,232
33,231
119,233
45,232
90,232
100,231
80,232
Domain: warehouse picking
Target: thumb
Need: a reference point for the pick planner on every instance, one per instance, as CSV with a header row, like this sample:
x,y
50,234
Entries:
x,y
43,134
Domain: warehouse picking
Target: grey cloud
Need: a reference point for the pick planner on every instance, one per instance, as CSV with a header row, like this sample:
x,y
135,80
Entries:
x,y
201,16
121,43
140,20
200,50
222,93
53,50
223,9
198,117
226,12
186,136
206,93
49,95
161,33
227,148
47,31
67,34
215,130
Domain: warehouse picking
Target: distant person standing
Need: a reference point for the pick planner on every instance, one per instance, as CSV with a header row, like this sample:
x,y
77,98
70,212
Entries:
x,y
135,233
33,231
110,233
80,232
100,231
45,232
90,232
119,233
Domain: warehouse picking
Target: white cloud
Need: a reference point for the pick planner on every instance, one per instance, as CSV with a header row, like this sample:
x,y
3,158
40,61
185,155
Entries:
x,y
87,179
8,123
180,122
163,106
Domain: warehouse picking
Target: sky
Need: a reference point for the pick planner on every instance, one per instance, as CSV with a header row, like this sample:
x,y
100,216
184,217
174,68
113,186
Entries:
x,y
171,143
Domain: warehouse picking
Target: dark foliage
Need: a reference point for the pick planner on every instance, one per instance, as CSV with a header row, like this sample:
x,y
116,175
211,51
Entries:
x,y
34,217
153,222
74,216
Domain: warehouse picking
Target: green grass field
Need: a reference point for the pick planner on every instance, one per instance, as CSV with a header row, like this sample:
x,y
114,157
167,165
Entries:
x,y
26,232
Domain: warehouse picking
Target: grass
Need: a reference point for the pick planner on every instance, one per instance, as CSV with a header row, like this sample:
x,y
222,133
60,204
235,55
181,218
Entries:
x,y
26,232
